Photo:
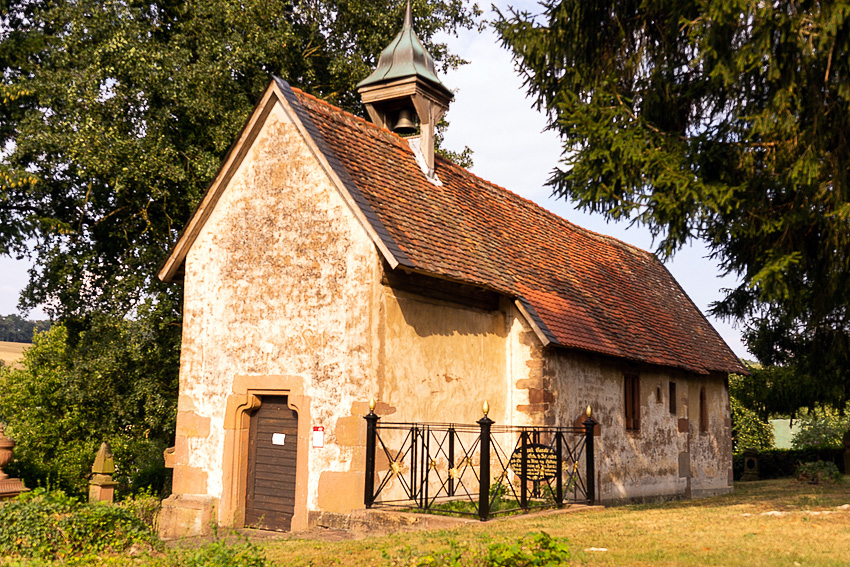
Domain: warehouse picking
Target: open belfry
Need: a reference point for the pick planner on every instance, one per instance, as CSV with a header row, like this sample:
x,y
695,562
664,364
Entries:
x,y
335,260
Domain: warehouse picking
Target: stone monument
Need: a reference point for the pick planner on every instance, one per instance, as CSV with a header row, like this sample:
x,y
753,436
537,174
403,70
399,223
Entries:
x,y
751,465
101,485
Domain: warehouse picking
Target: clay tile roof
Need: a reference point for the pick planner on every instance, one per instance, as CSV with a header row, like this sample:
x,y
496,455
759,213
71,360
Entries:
x,y
585,291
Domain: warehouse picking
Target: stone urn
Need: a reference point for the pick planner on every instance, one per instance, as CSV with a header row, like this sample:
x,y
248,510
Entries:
x,y
9,487
6,451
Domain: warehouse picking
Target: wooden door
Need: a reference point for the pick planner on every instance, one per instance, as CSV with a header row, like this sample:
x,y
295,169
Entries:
x,y
272,451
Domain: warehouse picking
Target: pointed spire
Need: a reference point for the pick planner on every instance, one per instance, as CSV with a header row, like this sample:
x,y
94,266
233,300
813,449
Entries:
x,y
403,88
408,18
405,56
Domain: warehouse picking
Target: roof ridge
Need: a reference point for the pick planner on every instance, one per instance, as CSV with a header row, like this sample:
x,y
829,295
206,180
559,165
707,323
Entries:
x,y
395,138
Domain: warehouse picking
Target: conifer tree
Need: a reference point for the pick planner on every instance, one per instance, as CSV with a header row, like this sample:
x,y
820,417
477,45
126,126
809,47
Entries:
x,y
727,121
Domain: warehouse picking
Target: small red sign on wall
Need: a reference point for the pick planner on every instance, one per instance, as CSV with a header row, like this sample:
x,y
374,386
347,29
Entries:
x,y
318,436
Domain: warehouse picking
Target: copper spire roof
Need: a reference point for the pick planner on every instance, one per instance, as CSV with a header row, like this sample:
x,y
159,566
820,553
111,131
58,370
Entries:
x,y
405,56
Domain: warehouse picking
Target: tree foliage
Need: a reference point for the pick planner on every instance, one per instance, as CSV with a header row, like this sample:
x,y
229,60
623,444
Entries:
x,y
822,428
116,115
727,121
16,329
114,385
750,430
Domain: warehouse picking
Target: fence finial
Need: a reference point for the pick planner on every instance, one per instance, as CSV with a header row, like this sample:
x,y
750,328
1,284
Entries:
x,y
589,412
485,407
372,405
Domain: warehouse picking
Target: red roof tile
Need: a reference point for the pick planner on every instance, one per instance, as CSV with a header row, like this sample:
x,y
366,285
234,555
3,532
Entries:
x,y
587,291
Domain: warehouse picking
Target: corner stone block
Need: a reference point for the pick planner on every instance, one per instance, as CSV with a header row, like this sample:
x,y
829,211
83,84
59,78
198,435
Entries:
x,y
190,424
540,396
189,480
350,431
341,492
185,515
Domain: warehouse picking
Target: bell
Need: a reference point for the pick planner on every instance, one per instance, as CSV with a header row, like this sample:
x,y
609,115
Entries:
x,y
406,122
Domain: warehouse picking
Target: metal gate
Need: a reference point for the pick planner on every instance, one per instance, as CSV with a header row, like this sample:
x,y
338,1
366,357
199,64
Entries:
x,y
481,470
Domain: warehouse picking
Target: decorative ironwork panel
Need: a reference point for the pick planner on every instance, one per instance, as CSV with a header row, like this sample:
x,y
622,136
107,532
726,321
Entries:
x,y
479,470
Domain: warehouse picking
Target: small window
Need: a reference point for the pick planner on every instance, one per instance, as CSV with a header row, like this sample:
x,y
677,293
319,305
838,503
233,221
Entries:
x,y
632,395
673,407
703,411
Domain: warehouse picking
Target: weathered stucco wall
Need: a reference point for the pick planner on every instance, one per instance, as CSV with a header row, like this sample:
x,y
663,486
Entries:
x,y
668,456
440,361
278,283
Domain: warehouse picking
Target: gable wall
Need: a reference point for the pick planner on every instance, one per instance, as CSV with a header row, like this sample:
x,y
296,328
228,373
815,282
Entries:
x,y
667,456
278,292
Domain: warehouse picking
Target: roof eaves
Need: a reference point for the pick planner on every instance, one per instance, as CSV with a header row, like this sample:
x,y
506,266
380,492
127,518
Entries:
x,y
537,325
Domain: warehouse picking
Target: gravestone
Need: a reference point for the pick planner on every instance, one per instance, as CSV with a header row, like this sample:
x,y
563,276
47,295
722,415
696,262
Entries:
x,y
751,465
101,485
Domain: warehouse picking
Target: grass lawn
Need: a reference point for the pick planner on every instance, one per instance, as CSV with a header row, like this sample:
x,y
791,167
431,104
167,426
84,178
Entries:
x,y
775,523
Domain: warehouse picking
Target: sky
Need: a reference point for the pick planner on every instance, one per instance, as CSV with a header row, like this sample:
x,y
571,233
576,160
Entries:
x,y
492,116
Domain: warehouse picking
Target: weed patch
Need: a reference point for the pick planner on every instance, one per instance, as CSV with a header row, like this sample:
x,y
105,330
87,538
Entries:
x,y
537,549
51,525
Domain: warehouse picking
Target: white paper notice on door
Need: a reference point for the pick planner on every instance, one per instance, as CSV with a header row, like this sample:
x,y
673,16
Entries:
x,y
278,438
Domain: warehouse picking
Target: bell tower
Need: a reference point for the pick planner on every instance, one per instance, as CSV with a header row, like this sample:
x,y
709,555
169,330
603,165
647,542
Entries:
x,y
404,91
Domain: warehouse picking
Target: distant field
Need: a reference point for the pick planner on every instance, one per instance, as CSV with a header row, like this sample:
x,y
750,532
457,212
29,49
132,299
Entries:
x,y
12,352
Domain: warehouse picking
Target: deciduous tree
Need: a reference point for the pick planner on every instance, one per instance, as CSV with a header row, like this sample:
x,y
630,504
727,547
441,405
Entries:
x,y
114,117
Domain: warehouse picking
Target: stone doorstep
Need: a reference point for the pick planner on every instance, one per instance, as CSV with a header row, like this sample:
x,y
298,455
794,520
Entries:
x,y
373,522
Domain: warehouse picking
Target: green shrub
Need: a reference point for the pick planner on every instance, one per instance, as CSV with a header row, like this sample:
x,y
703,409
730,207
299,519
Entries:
x,y
783,463
51,525
817,472
220,553
823,430
146,506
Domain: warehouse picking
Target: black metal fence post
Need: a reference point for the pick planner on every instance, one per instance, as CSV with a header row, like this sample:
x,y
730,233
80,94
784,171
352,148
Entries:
x,y
484,469
590,474
559,479
452,466
426,464
523,475
414,462
371,443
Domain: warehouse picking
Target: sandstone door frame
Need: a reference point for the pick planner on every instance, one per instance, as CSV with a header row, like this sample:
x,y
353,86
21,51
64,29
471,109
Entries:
x,y
246,397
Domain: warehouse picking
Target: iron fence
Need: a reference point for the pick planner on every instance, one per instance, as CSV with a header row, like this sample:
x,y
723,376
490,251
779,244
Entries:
x,y
480,470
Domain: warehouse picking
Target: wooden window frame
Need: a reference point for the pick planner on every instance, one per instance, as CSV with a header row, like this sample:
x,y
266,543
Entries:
x,y
631,390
